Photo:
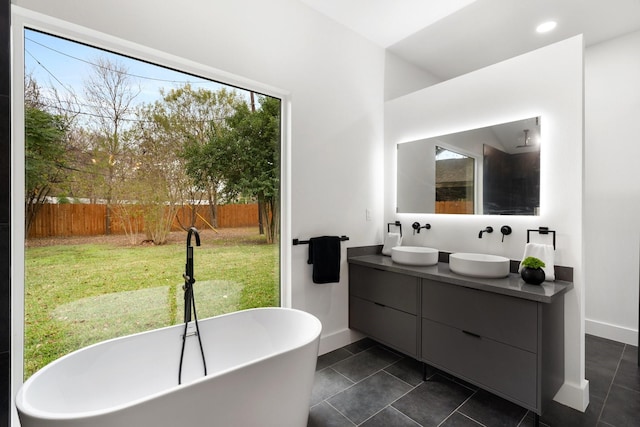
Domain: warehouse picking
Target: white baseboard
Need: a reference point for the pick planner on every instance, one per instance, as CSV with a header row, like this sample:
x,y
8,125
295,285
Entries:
x,y
611,332
338,339
575,396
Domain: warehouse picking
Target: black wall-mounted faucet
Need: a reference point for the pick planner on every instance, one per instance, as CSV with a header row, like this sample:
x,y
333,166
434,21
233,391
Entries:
x,y
416,227
505,230
489,229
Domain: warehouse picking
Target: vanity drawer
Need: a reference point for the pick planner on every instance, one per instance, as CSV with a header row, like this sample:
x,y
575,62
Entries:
x,y
388,325
384,287
509,320
492,365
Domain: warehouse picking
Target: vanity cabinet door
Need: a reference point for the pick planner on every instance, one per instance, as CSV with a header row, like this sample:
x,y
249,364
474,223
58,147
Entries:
x,y
392,327
399,291
509,320
384,305
505,370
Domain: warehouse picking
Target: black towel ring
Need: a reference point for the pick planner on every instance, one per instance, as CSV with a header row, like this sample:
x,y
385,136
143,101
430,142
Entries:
x,y
543,230
397,224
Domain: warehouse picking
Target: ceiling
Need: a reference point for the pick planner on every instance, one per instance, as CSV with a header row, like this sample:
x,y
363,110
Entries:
x,y
449,38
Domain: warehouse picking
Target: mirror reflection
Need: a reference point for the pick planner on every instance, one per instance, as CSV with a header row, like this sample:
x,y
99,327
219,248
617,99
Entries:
x,y
493,170
455,182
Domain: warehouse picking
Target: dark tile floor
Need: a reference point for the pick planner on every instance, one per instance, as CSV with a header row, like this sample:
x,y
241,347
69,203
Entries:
x,y
367,384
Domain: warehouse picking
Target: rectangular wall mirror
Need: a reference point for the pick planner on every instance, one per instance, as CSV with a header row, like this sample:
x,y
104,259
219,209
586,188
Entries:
x,y
494,170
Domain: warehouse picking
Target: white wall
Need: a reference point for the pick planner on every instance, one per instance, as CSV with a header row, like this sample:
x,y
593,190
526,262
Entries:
x,y
402,77
546,82
612,188
334,81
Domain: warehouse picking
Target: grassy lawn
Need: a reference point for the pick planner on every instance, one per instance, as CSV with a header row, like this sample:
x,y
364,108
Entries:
x,y
79,294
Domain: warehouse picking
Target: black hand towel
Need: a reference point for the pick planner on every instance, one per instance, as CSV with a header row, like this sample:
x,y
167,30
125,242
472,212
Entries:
x,y
324,254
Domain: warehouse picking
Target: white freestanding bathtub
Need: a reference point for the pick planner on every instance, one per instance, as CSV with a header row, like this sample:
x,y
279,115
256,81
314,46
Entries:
x,y
260,363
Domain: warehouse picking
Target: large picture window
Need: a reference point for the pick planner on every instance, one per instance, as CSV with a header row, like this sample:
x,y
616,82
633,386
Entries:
x,y
122,157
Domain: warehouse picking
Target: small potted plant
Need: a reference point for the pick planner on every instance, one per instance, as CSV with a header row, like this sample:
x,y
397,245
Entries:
x,y
532,271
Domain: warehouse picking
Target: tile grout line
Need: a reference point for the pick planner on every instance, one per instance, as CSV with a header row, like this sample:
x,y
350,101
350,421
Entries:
x,y
467,416
340,412
462,413
405,415
390,405
412,388
373,415
347,378
616,374
524,417
606,397
354,383
400,379
395,409
338,392
381,370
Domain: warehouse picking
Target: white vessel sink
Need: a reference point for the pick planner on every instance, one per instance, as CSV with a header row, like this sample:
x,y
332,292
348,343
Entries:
x,y
479,265
414,255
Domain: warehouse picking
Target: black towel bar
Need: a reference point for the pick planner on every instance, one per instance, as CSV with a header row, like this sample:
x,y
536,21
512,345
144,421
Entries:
x,y
543,230
306,242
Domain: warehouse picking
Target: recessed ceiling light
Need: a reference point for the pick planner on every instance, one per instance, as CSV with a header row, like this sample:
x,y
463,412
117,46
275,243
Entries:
x,y
545,27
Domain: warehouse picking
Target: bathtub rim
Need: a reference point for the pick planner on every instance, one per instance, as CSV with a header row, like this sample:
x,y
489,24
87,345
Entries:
x,y
23,407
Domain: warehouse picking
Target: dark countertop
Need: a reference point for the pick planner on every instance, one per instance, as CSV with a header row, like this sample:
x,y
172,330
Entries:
x,y
512,285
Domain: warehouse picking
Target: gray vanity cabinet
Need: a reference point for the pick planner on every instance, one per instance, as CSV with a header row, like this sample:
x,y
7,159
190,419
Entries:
x,y
502,335
510,346
384,305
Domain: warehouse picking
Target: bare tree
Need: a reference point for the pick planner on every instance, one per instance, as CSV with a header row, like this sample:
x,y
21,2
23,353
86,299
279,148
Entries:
x,y
110,91
159,179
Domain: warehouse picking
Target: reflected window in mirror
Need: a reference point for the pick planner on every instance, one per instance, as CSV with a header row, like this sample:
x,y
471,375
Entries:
x,y
455,183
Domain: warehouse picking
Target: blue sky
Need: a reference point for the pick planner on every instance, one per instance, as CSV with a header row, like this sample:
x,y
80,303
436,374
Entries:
x,y
61,63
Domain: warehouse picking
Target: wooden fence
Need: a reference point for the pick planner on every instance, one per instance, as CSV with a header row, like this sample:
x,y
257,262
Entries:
x,y
454,207
90,220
